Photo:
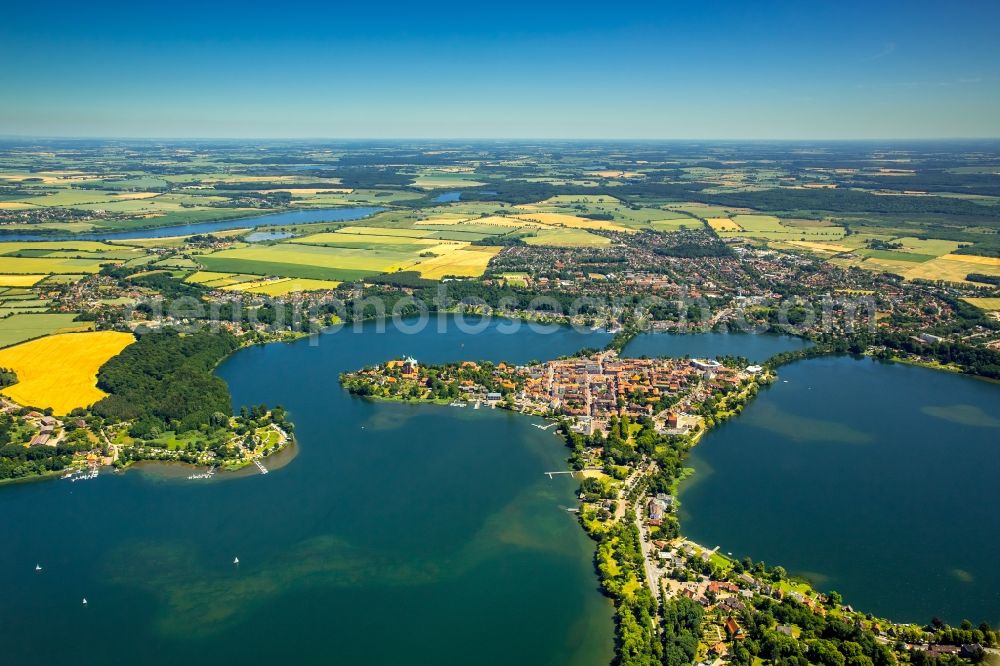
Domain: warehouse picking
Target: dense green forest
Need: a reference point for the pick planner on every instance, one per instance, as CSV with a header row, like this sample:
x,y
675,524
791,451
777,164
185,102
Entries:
x,y
164,381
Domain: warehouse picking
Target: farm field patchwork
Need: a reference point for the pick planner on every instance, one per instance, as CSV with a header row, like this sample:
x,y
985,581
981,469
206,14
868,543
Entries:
x,y
60,371
304,261
770,227
613,212
282,286
954,267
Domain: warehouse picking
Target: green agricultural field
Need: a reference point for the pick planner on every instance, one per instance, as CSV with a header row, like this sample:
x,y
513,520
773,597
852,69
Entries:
x,y
893,255
39,265
769,227
462,235
304,261
18,328
68,227
605,206
435,181
65,278
386,244
566,238
676,224
74,198
384,231
469,227
175,262
6,247
701,210
931,246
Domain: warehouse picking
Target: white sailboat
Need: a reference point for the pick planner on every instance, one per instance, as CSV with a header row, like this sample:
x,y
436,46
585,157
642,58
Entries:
x,y
236,561
38,567
85,601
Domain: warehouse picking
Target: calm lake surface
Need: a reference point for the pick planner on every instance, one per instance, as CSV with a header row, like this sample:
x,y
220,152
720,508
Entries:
x,y
399,534
288,217
755,348
879,481
429,534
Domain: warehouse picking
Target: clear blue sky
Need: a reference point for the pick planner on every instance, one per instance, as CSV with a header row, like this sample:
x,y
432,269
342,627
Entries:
x,y
733,69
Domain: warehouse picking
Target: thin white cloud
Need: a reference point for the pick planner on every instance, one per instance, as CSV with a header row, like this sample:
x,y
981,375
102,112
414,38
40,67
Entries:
x,y
886,51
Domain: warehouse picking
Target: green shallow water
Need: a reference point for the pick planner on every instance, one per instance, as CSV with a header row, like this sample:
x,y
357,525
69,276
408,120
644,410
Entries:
x,y
879,481
398,533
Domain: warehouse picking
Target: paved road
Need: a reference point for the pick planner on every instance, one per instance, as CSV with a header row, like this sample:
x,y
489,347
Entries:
x,y
652,579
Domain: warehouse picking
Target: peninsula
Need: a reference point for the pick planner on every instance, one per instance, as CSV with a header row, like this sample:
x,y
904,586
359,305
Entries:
x,y
629,424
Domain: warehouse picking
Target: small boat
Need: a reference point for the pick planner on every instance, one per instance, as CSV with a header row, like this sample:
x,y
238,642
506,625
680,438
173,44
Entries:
x,y
85,601
236,560
38,567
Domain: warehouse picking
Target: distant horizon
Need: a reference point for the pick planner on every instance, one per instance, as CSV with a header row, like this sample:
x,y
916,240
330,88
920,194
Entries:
x,y
512,139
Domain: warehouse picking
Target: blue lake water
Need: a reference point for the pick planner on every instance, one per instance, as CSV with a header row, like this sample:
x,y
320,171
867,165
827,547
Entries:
x,y
447,197
287,217
399,533
755,348
429,534
879,481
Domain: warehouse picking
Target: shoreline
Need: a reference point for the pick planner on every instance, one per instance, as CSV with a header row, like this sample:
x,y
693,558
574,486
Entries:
x,y
165,469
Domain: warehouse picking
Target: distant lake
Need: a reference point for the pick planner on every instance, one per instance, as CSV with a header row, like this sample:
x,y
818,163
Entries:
x,y
447,197
287,217
400,533
755,348
879,481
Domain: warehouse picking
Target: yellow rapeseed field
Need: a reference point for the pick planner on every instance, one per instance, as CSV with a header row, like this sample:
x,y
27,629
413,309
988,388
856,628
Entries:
x,y
465,262
723,224
20,280
573,222
60,371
